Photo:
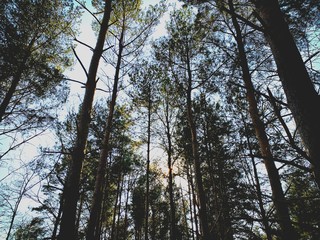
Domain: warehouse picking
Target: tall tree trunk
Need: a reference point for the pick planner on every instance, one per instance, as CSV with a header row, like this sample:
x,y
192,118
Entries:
x,y
225,225
184,214
113,227
194,205
126,222
16,79
264,217
302,97
98,188
9,94
173,231
146,229
57,221
71,191
79,210
196,160
119,209
288,232
191,200
153,231
15,209
102,218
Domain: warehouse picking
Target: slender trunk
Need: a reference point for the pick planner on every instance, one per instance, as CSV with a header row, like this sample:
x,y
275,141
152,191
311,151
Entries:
x,y
153,225
184,212
113,228
195,206
15,210
146,229
22,192
264,217
102,219
173,232
216,230
5,102
126,223
16,79
71,192
225,225
288,232
265,222
98,189
57,221
196,160
119,208
303,100
192,213
79,211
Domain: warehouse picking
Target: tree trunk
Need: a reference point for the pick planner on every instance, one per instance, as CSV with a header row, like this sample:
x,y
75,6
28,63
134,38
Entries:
x,y
71,191
118,195
102,219
126,222
225,225
196,160
281,206
78,219
57,221
119,209
16,79
264,217
191,200
184,213
98,188
14,213
5,102
146,229
173,231
302,97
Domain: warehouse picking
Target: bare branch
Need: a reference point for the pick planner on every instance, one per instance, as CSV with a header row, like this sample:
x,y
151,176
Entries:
x,y
84,44
82,5
313,55
76,81
84,69
285,127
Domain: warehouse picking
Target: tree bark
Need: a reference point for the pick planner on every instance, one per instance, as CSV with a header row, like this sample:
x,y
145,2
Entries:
x,y
16,79
173,231
191,200
146,229
303,100
264,217
115,208
98,188
71,191
57,220
288,232
118,231
9,94
196,160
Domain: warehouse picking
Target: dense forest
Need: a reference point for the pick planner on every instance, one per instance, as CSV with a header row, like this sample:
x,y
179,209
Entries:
x,y
205,130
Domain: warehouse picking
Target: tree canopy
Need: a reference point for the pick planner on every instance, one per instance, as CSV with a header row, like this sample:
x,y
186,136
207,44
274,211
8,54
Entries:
x,y
207,130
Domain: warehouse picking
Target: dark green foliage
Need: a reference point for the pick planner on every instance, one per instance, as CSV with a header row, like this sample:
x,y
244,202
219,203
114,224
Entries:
x,y
34,44
197,56
35,41
303,197
31,231
230,199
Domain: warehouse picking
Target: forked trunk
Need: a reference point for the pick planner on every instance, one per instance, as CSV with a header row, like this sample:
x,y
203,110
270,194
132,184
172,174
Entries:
x,y
100,177
71,192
